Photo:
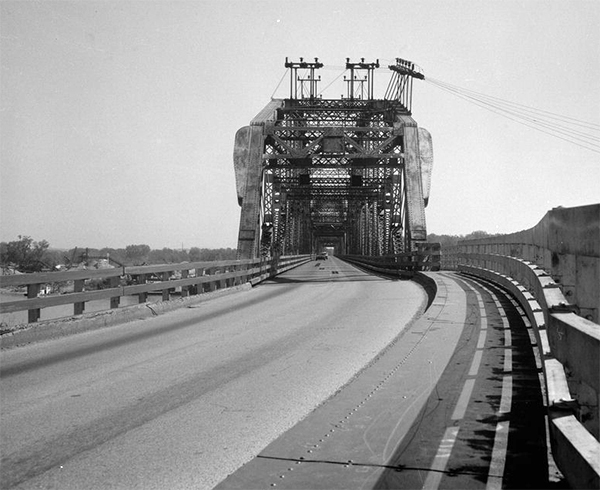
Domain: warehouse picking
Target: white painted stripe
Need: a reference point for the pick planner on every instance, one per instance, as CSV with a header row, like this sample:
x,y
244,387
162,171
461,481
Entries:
x,y
463,400
496,472
506,400
481,341
476,363
507,360
484,323
441,459
498,462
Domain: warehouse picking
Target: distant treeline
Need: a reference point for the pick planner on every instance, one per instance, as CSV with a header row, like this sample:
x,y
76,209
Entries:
x,y
449,240
144,255
27,255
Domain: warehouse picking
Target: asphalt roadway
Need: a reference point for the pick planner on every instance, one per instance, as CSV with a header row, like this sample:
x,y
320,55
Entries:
x,y
184,399
325,377
454,402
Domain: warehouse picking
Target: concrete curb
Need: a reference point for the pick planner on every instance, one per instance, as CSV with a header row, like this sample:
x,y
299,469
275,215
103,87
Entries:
x,y
53,329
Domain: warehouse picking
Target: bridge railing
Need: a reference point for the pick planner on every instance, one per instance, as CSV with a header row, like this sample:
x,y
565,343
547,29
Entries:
x,y
565,248
425,258
187,278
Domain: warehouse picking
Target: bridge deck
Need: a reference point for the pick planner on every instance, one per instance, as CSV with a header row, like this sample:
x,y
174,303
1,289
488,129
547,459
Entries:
x,y
454,402
323,365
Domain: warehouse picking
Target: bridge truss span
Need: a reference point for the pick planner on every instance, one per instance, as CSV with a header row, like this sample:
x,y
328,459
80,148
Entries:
x,y
349,173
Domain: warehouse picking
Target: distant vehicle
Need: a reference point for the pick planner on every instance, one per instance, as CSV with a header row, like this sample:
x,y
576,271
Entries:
x,y
323,256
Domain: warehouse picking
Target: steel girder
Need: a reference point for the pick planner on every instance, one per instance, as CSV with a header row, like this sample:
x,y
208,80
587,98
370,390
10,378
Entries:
x,y
312,172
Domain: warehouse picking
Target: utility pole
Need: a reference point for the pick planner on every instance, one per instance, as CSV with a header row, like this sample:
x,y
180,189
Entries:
x,y
366,80
297,82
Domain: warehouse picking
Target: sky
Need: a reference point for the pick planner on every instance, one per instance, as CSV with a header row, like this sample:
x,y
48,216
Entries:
x,y
117,118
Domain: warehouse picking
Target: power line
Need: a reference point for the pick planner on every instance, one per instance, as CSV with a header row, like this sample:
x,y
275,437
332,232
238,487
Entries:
x,y
528,116
552,115
565,138
333,81
536,118
280,81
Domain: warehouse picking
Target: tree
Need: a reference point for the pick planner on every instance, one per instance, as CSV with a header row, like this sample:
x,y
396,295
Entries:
x,y
479,234
137,253
25,254
451,240
195,254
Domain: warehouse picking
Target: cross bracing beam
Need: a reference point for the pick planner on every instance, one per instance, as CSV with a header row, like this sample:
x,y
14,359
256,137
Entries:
x,y
347,171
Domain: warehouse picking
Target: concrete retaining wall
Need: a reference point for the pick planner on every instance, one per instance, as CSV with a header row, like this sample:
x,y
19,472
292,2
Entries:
x,y
565,244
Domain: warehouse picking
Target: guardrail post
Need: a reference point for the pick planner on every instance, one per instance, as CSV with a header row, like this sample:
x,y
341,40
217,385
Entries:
x,y
142,297
235,280
78,308
199,286
211,285
204,287
222,282
32,292
165,292
184,289
115,300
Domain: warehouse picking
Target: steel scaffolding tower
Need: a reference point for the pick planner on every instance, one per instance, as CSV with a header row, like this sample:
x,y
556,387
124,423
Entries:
x,y
350,173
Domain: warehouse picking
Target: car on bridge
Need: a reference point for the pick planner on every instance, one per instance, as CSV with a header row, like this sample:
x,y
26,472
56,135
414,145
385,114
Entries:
x,y
323,256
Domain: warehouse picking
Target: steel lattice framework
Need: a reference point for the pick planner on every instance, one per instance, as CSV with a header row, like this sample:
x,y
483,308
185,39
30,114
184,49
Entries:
x,y
347,173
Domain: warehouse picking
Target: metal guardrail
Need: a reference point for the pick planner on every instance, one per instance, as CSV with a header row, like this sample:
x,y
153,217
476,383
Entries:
x,y
566,343
426,258
191,277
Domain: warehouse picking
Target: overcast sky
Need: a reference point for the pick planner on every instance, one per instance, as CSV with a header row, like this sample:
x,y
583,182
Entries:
x,y
118,118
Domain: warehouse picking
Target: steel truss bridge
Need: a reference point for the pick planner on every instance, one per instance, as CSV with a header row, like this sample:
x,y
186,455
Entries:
x,y
350,173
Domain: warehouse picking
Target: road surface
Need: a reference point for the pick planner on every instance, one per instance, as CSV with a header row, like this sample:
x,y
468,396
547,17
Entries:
x,y
184,399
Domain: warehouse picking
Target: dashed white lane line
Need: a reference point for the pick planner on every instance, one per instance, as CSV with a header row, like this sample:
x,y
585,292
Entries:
x,y
506,398
473,370
507,360
498,461
440,461
496,472
481,341
463,400
438,467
